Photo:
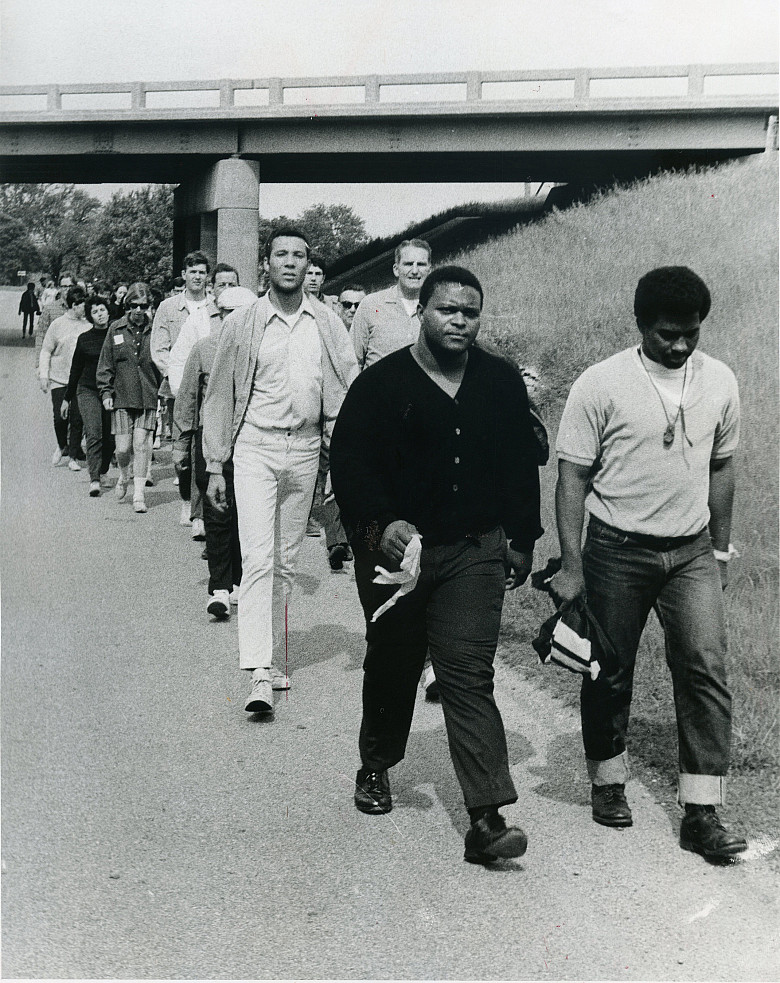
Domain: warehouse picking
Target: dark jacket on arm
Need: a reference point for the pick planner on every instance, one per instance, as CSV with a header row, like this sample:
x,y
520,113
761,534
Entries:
x,y
403,449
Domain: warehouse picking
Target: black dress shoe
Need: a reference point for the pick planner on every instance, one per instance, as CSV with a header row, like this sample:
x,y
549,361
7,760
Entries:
x,y
372,792
491,839
336,556
702,832
609,805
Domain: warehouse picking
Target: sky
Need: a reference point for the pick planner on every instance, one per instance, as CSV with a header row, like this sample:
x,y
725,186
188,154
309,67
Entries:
x,y
66,41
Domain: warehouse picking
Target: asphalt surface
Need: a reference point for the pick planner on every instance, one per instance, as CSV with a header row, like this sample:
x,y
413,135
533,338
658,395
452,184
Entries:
x,y
152,829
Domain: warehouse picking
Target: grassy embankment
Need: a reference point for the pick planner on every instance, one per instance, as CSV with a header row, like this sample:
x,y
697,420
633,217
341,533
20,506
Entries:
x,y
559,296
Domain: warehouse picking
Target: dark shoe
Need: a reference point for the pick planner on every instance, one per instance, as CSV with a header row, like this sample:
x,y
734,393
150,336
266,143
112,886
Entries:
x,y
491,839
336,556
372,792
431,685
609,805
702,832
204,555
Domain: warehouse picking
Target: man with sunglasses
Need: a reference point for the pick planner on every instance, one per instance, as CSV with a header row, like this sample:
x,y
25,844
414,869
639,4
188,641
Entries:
x,y
348,303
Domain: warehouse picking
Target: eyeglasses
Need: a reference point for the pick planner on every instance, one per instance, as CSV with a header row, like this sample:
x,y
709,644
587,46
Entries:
x,y
346,304
133,306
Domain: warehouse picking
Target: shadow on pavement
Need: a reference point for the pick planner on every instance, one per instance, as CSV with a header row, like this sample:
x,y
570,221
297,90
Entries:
x,y
322,643
564,778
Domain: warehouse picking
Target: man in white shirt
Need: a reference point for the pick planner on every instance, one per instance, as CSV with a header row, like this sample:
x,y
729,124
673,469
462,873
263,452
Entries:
x,y
280,373
646,444
387,320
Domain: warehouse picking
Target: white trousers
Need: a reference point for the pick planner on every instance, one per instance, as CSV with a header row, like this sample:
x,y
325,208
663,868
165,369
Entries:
x,y
274,477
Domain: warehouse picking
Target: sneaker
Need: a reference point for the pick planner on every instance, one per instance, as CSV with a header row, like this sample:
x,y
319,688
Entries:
x,y
261,699
609,805
73,465
184,517
105,481
219,605
234,595
702,832
279,680
336,556
312,529
198,530
430,684
139,505
491,839
57,458
121,488
372,792
94,489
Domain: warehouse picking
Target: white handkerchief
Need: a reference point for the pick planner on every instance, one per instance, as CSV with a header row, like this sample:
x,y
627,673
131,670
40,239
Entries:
x,y
407,576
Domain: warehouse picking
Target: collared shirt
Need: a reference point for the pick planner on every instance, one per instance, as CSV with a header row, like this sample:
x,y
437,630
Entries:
x,y
453,467
614,421
126,371
382,325
198,325
168,321
287,386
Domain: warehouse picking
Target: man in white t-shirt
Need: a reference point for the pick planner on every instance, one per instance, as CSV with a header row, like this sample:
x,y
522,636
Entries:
x,y
646,445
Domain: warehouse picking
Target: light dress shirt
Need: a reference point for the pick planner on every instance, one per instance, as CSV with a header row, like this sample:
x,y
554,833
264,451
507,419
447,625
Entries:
x,y
384,322
287,387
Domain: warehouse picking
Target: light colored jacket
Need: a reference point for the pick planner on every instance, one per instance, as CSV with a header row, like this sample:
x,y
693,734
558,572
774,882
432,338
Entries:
x,y
232,374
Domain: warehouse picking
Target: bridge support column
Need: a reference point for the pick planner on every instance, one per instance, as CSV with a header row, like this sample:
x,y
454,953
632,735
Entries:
x,y
218,212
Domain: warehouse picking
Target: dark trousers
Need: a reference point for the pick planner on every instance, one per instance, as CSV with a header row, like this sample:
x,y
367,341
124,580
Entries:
x,y
97,425
60,425
625,581
223,547
28,317
331,519
454,612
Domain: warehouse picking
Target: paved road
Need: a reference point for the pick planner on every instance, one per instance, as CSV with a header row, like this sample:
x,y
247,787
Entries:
x,y
151,829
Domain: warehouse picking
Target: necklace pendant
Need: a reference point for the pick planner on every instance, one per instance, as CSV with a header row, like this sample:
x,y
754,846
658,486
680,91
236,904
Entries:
x,y
669,435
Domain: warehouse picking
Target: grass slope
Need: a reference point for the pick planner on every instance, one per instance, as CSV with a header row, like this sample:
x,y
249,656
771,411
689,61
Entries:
x,y
559,296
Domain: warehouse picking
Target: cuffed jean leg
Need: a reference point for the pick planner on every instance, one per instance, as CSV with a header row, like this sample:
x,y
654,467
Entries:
x,y
463,621
622,583
690,608
396,645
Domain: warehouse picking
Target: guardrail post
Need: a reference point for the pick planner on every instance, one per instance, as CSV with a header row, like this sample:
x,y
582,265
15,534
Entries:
x,y
581,83
138,96
225,94
275,92
473,87
695,82
372,88
53,98
771,134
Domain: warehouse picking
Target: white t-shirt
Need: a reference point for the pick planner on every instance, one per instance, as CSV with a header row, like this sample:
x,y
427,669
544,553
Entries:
x,y
614,422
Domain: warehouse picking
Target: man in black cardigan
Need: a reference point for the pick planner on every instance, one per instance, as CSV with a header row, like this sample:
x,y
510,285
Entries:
x,y
436,441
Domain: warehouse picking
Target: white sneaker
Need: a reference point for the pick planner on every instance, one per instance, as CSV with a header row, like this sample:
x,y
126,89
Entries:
x,y
74,465
234,595
94,489
279,680
57,457
261,699
139,505
198,530
184,518
219,605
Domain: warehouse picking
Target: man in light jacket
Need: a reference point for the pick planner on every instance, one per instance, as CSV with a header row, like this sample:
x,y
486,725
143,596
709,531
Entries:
x,y
281,370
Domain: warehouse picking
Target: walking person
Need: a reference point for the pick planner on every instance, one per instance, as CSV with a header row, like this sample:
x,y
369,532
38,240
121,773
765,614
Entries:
x,y
280,372
50,311
82,386
434,468
54,373
223,549
128,381
28,308
646,445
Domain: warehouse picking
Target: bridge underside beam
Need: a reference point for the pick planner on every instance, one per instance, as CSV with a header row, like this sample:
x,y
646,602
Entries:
x,y
361,168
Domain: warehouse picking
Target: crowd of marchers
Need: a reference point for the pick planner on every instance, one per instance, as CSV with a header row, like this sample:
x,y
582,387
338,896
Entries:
x,y
385,418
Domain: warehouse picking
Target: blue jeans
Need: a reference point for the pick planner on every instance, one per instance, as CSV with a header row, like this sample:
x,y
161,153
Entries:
x,y
625,578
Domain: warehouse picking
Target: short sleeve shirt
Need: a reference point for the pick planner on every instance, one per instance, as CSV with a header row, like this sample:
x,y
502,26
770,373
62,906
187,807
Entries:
x,y
614,422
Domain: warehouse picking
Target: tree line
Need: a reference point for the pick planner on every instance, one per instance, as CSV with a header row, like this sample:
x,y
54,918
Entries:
x,y
45,229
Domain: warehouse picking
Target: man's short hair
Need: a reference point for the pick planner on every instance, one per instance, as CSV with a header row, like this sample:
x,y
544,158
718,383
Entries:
x,y
225,268
196,258
285,230
315,260
449,274
674,292
75,295
96,300
417,243
138,291
177,281
356,287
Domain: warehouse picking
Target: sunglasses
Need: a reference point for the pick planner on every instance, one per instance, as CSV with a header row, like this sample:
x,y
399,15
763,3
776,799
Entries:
x,y
346,304
135,306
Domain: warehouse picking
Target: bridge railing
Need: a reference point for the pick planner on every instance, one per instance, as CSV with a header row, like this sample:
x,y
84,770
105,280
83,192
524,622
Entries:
x,y
581,87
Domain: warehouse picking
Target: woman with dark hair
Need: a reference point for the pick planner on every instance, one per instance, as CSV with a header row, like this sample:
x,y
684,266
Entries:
x,y
116,306
128,380
82,386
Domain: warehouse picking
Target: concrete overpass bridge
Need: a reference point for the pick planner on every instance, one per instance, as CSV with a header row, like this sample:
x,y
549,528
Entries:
x,y
219,140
